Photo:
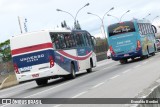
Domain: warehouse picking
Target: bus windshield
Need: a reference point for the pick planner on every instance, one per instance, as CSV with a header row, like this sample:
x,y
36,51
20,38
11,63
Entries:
x,y
120,28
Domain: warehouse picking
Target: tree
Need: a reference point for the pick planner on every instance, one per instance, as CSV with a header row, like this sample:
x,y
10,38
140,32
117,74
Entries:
x,y
5,50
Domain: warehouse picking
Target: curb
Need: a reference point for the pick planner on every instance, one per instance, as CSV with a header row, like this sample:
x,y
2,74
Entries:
x,y
9,81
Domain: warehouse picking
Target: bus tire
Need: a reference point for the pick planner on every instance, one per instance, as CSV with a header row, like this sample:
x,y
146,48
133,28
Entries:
x,y
89,70
123,61
147,56
72,74
154,50
153,53
143,57
41,82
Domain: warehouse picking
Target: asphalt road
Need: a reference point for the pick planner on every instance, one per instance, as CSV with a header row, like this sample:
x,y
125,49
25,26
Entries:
x,y
109,79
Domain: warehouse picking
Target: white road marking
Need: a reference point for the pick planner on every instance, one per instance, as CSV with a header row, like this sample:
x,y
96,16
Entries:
x,y
98,85
79,94
107,67
126,71
153,88
12,88
4,96
145,62
44,90
104,63
115,77
5,105
47,89
57,105
137,66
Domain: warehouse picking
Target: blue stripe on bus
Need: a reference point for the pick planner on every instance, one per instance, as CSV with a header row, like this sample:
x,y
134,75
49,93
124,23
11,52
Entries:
x,y
41,57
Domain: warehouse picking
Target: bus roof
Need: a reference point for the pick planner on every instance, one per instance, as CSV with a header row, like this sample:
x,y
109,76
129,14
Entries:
x,y
133,20
48,30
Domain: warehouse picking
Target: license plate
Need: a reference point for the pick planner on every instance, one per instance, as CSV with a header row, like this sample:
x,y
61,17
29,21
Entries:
x,y
26,69
126,54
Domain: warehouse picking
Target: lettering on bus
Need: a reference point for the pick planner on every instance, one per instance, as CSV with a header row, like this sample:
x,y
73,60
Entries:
x,y
32,58
124,43
121,29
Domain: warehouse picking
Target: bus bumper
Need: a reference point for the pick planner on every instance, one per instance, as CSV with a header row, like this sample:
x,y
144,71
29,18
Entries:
x,y
134,54
41,74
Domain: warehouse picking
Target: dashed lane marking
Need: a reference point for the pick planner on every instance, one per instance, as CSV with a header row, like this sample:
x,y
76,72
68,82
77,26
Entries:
x,y
137,66
145,62
57,105
126,71
114,77
79,94
98,85
107,67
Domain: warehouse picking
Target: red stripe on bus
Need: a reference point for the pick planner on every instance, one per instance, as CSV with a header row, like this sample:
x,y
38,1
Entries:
x,y
31,48
75,57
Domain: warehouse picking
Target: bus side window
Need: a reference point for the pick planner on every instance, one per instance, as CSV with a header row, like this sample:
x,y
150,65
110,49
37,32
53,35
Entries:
x,y
150,29
54,39
80,40
86,39
89,39
62,43
74,42
66,36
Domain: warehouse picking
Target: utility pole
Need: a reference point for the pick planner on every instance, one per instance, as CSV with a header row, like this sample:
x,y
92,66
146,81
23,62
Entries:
x,y
19,20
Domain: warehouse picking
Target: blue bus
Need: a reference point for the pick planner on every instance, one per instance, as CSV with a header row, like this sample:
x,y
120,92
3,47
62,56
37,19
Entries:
x,y
131,39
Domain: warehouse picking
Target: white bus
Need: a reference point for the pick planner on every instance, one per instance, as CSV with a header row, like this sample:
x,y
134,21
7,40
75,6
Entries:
x,y
48,54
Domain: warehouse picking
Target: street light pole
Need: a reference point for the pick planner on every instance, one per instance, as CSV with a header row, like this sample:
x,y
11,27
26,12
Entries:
x,y
66,12
78,12
123,15
147,16
154,18
102,20
72,15
114,17
19,21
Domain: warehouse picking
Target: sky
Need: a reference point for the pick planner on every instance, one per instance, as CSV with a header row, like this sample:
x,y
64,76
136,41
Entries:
x,y
42,14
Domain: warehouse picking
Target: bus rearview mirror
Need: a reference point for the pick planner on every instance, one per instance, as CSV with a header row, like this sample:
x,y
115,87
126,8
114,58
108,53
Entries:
x,y
94,40
154,29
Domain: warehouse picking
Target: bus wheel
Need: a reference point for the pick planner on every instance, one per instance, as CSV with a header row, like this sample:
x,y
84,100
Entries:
x,y
89,70
72,74
147,56
143,57
41,82
123,61
153,53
